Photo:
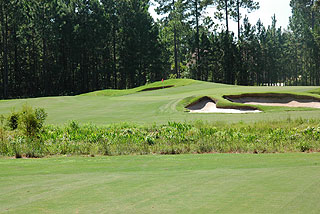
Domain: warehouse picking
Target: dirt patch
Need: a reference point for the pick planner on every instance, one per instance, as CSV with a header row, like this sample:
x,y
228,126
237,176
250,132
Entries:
x,y
276,99
157,88
208,105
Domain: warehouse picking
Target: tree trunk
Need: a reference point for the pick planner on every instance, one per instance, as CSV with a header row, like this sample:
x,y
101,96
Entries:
x,y
176,53
114,64
227,19
175,46
238,18
197,42
16,83
312,15
4,21
46,80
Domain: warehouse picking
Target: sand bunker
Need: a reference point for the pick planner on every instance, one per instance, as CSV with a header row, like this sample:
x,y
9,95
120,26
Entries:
x,y
207,105
275,99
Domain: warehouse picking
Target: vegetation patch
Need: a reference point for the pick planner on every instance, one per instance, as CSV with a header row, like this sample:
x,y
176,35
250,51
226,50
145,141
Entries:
x,y
29,138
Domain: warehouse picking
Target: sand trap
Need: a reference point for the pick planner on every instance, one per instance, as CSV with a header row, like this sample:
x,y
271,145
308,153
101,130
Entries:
x,y
207,105
275,99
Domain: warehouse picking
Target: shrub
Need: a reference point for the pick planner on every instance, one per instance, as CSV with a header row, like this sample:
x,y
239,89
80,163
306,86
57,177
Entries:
x,y
31,120
41,116
74,125
2,119
13,120
17,146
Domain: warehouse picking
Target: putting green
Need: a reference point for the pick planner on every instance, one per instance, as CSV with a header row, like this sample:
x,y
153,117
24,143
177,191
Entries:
x,y
210,183
157,106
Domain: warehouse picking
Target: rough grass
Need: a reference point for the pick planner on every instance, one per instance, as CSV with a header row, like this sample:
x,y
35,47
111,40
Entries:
x,y
211,183
173,138
160,106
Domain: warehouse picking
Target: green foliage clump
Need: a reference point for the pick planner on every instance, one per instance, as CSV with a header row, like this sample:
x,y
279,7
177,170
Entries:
x,y
172,138
13,120
31,120
20,132
28,120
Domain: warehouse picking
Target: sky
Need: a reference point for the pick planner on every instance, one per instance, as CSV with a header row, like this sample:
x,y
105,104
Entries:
x,y
281,8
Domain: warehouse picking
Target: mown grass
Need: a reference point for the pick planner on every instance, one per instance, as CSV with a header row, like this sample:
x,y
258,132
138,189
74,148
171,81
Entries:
x,y
210,183
170,82
174,138
160,106
136,123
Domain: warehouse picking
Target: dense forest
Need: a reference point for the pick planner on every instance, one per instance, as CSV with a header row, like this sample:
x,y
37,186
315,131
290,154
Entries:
x,y
66,47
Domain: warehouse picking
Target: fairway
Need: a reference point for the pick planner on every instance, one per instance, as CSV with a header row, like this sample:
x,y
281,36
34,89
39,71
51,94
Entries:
x,y
209,183
156,106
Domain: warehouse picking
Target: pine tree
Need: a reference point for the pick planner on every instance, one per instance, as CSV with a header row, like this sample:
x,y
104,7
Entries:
x,y
175,12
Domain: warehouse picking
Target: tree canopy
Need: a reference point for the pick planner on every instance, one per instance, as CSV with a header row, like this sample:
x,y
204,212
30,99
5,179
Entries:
x,y
67,47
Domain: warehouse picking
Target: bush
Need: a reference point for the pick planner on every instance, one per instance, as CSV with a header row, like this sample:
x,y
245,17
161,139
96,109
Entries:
x,y
41,116
31,120
13,120
28,120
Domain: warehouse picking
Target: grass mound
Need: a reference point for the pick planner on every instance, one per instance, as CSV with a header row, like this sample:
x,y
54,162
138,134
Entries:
x,y
277,96
276,99
148,87
208,105
157,88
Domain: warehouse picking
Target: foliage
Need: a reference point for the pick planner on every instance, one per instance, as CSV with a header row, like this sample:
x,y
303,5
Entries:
x,y
74,47
31,120
71,47
173,138
28,120
13,120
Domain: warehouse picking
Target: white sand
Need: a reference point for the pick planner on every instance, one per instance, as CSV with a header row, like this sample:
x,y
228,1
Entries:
x,y
208,106
278,101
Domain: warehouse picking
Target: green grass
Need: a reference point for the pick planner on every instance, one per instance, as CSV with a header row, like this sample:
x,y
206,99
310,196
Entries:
x,y
160,106
211,183
207,183
114,92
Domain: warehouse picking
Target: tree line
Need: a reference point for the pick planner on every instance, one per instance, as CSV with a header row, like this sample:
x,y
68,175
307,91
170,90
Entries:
x,y
67,47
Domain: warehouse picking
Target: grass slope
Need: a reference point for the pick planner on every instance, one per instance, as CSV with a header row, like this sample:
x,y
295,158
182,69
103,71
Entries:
x,y
160,106
211,183
114,92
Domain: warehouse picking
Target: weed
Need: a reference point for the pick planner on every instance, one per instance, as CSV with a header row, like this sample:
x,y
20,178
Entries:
x,y
33,139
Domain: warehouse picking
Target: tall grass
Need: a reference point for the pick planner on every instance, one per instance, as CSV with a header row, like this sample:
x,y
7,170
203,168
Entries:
x,y
174,138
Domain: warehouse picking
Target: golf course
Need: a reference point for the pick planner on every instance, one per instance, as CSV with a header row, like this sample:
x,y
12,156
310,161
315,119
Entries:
x,y
159,106
143,150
